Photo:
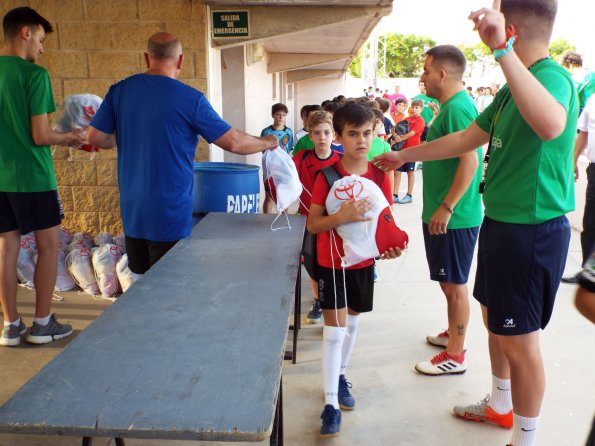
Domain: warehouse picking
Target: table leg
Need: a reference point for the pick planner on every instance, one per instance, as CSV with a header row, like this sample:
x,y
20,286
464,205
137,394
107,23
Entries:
x,y
277,433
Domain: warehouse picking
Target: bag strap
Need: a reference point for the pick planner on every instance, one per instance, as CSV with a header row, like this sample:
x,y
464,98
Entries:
x,y
330,175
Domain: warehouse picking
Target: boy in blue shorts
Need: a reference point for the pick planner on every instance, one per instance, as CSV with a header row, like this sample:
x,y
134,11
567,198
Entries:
x,y
343,293
285,137
528,187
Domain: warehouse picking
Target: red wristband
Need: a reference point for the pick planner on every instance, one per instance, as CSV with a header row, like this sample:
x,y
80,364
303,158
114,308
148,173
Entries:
x,y
509,34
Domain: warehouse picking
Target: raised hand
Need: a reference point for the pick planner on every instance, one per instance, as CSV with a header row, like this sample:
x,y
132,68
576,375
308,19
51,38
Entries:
x,y
490,24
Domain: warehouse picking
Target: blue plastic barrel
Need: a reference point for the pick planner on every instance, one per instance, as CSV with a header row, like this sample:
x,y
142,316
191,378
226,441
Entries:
x,y
226,187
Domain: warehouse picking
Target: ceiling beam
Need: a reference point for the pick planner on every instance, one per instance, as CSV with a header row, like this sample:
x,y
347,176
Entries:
x,y
293,61
303,75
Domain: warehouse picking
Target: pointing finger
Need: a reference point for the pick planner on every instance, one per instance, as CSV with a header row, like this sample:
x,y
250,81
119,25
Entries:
x,y
496,5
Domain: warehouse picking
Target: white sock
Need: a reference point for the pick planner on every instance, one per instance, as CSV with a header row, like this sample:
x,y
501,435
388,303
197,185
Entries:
x,y
42,320
524,431
349,342
15,323
501,397
332,342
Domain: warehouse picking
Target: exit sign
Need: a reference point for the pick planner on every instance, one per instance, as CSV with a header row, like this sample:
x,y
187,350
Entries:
x,y
230,24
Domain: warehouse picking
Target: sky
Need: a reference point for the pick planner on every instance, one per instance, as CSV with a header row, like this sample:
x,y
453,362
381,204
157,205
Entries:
x,y
447,22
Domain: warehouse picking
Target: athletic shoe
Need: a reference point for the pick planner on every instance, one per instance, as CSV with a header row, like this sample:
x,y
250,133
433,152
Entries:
x,y
406,199
331,422
42,334
395,199
441,364
483,412
346,400
375,274
440,340
571,279
11,335
315,314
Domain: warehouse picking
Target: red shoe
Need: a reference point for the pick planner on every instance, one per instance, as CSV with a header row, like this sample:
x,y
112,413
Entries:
x,y
483,412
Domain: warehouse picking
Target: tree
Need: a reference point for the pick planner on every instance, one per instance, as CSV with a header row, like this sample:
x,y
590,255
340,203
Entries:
x,y
559,46
479,59
405,55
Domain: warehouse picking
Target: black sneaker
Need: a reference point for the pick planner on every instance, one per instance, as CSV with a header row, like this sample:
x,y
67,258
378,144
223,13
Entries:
x,y
54,330
315,314
331,422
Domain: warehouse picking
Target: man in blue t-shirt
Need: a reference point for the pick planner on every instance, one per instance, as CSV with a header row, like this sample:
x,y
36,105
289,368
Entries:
x,y
155,120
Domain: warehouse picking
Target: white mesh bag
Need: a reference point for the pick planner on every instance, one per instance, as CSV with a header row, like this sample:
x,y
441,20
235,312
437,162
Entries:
x,y
279,168
104,261
125,276
78,262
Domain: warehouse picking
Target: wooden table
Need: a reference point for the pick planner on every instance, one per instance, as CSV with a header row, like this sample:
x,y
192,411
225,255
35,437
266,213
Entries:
x,y
192,351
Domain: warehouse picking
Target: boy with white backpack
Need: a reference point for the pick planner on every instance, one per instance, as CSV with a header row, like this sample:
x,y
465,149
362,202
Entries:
x,y
349,290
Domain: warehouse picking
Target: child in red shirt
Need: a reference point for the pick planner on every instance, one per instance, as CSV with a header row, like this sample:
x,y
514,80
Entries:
x,y
354,125
413,138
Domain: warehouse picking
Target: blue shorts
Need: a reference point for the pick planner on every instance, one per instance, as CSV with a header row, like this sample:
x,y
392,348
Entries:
x,y
449,255
519,268
30,211
406,167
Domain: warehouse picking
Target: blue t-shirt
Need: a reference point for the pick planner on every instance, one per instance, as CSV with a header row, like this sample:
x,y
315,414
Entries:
x,y
284,136
157,121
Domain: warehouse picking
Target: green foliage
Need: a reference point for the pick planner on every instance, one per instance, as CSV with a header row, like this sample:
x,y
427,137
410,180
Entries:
x,y
559,46
405,55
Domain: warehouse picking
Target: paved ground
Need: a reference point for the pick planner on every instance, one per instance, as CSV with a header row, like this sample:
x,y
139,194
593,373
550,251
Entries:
x,y
395,405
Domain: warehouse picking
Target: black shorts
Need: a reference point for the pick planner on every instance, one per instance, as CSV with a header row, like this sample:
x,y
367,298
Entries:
x,y
143,254
406,167
359,283
30,211
449,255
519,268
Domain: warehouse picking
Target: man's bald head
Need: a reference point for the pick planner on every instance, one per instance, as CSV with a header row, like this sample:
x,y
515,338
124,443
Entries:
x,y
163,46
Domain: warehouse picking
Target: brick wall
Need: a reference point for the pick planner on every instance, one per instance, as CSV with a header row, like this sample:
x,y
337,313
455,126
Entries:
x,y
96,43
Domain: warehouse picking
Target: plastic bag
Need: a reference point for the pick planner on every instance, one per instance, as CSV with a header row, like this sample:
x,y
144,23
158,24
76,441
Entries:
x,y
363,240
104,261
83,236
25,262
279,168
65,237
125,276
78,262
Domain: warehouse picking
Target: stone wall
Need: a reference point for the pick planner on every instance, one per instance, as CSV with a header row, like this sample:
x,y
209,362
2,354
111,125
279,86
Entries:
x,y
94,44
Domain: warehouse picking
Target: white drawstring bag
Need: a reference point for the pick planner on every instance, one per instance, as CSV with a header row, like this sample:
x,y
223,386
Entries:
x,y
25,262
85,237
125,276
120,242
63,280
281,173
363,240
104,261
78,262
65,237
103,238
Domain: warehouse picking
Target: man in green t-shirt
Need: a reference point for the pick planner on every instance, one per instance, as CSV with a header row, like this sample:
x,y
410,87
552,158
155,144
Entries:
x,y
452,209
528,188
28,193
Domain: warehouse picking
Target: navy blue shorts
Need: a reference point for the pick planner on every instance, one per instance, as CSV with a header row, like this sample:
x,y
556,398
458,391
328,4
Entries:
x,y
359,283
406,167
519,268
30,211
449,255
143,254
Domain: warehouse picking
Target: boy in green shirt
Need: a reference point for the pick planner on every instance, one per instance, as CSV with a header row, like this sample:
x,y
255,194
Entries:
x,y
28,192
528,188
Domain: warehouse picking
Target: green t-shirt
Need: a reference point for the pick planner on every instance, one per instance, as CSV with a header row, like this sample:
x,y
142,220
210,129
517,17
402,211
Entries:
x,y
427,113
379,146
25,91
304,143
586,89
455,114
529,181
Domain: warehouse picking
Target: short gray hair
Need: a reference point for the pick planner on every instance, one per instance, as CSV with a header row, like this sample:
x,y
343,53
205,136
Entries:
x,y
170,49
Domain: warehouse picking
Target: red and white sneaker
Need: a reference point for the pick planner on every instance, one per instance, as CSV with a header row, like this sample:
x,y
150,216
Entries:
x,y
440,340
483,412
443,364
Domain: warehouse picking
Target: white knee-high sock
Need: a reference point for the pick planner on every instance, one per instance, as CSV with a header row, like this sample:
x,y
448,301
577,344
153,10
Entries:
x,y
524,430
501,397
349,342
332,342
